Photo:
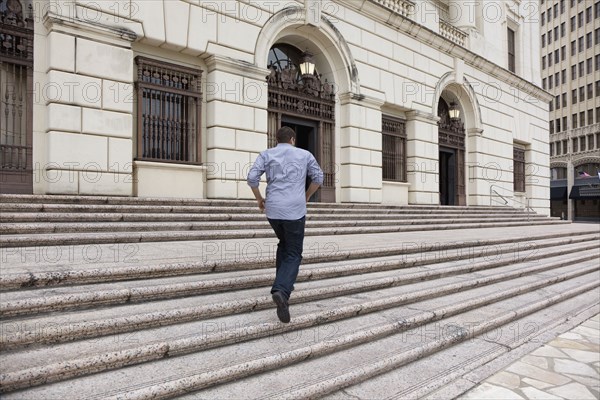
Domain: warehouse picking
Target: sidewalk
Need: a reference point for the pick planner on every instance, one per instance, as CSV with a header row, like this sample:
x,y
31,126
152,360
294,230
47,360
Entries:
x,y
568,367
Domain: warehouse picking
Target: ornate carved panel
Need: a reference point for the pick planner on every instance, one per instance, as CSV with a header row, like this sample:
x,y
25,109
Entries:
x,y
451,132
308,97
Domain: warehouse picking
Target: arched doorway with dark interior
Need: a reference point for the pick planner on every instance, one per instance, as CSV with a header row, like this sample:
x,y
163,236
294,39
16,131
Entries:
x,y
301,99
451,167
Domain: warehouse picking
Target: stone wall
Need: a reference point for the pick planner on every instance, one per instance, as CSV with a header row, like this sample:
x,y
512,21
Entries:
x,y
378,59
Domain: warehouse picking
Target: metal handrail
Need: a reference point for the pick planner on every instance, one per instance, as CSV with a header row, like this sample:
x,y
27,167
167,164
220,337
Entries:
x,y
499,195
526,204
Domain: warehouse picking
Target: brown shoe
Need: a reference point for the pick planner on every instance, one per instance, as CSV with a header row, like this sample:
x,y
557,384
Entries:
x,y
283,311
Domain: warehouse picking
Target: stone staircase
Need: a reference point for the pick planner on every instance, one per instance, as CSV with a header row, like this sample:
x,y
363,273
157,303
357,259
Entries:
x,y
146,298
52,220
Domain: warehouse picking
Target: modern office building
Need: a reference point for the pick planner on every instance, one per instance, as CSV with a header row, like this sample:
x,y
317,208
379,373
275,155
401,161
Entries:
x,y
402,102
570,41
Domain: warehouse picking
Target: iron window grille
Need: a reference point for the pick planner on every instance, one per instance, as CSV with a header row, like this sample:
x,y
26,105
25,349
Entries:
x,y
519,169
393,149
16,96
168,114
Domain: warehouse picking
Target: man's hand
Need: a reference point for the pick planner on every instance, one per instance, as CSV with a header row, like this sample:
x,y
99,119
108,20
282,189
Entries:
x,y
259,199
261,204
312,188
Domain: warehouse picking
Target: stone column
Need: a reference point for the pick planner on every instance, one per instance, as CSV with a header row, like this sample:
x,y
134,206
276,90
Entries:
x,y
422,162
88,95
360,149
236,125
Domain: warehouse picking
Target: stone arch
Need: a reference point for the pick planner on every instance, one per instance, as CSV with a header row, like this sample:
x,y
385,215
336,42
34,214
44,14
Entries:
x,y
558,164
325,42
453,138
466,99
586,160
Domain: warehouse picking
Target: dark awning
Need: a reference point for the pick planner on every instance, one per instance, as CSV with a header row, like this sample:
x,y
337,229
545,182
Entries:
x,y
558,193
591,192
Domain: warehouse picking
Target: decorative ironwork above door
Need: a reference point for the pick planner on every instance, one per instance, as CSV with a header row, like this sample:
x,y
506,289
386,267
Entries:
x,y
292,91
451,130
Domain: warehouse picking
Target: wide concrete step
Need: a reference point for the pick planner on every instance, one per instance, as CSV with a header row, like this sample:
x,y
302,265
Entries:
x,y
419,353
35,217
76,325
24,240
373,276
108,200
241,211
43,271
202,360
161,320
150,225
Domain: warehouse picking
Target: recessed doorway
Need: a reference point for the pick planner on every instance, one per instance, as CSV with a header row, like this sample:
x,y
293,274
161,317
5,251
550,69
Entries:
x,y
306,138
447,176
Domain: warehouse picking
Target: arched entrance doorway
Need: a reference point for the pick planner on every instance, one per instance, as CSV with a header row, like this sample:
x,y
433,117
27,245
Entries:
x,y
451,140
305,103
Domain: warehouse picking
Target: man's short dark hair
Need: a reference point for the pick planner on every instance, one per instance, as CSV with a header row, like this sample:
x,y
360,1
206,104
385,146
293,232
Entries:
x,y
285,134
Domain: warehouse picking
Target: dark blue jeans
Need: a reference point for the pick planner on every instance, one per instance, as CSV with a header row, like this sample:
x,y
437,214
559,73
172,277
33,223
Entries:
x,y
289,253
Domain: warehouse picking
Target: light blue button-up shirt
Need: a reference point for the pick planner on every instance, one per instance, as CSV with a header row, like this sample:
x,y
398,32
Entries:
x,y
286,167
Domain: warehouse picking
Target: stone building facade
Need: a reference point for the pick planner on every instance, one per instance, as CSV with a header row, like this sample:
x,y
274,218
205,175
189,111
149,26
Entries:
x,y
403,102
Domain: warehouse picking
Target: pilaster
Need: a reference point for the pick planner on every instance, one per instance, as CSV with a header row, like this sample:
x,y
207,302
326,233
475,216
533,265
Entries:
x,y
477,186
88,97
236,126
360,148
422,157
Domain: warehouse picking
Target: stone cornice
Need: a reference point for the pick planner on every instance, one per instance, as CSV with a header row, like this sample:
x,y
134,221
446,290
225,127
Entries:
x,y
236,67
475,132
421,116
435,40
577,132
114,33
366,101
576,158
170,166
